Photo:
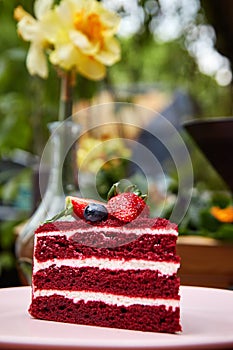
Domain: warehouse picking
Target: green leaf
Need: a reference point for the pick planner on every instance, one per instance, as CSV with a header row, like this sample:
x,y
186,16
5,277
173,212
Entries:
x,y
114,190
225,232
67,211
208,222
117,189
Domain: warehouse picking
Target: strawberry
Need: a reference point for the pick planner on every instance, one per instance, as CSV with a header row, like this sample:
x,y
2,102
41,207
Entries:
x,y
77,205
126,206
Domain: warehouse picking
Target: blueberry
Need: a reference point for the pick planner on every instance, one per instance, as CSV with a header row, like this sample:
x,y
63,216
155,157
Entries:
x,y
95,212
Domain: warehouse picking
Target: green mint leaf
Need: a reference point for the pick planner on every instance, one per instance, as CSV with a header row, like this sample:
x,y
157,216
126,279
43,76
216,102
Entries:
x,y
67,211
114,190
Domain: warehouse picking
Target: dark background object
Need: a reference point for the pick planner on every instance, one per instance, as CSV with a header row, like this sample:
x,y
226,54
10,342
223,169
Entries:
x,y
219,14
181,108
215,139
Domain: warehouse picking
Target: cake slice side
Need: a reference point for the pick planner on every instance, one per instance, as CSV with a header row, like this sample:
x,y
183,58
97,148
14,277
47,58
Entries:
x,y
130,286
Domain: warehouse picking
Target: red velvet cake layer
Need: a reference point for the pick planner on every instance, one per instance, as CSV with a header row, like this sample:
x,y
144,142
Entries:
x,y
140,223
140,283
135,317
158,247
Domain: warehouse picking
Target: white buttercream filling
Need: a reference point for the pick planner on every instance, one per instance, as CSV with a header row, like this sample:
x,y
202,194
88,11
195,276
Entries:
x,y
164,268
105,230
107,298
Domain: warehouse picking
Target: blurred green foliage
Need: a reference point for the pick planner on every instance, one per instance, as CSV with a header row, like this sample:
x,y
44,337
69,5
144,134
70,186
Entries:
x,y
28,103
198,220
169,66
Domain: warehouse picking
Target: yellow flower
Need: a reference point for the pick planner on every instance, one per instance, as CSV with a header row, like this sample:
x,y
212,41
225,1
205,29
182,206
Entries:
x,y
82,35
77,34
31,29
95,153
223,215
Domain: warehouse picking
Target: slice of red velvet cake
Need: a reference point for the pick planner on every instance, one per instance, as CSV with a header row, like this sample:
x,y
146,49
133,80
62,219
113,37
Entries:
x,y
107,273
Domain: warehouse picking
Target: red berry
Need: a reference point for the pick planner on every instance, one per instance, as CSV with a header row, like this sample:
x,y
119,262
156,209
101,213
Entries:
x,y
79,205
126,206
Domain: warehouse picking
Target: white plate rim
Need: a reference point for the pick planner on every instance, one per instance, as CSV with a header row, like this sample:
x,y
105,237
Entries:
x,y
164,341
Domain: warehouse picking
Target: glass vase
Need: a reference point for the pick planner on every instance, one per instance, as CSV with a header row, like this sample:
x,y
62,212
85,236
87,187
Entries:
x,y
62,181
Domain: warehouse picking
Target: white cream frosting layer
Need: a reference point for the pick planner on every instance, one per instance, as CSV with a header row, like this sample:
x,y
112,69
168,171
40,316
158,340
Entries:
x,y
107,298
164,268
104,230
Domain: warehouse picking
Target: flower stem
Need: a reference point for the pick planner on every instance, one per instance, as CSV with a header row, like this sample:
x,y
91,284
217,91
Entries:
x,y
66,95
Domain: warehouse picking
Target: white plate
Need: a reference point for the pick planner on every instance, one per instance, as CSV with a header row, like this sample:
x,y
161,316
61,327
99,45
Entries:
x,y
206,316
